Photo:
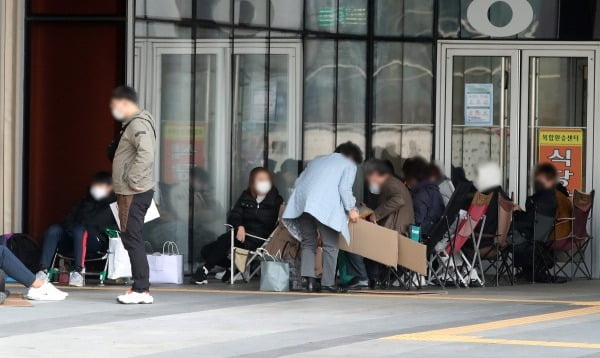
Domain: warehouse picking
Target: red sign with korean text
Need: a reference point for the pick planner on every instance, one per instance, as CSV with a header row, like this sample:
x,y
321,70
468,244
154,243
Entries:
x,y
564,149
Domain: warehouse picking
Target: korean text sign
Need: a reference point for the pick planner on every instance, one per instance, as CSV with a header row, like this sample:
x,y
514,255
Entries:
x,y
564,149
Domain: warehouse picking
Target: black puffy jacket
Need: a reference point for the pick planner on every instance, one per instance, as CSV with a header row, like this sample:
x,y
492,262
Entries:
x,y
258,219
94,214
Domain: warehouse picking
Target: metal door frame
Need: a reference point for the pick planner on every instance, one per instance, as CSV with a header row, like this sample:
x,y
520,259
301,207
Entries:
x,y
523,50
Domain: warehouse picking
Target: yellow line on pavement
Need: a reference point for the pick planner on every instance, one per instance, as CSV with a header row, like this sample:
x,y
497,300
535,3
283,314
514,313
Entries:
x,y
458,334
500,341
512,322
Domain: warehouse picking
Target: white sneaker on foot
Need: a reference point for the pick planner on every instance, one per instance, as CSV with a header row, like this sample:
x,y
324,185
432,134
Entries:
x,y
132,297
42,276
76,279
47,292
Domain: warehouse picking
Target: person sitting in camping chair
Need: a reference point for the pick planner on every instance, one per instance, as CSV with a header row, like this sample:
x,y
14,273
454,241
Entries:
x,y
534,224
394,208
82,233
255,213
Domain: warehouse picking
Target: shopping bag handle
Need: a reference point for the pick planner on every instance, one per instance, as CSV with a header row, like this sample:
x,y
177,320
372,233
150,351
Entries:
x,y
170,248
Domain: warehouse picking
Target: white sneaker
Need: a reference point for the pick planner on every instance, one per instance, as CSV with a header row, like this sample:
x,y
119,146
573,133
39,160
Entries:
x,y
42,276
45,293
132,297
76,279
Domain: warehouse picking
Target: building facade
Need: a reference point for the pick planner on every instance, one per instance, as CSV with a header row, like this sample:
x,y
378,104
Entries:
x,y
236,84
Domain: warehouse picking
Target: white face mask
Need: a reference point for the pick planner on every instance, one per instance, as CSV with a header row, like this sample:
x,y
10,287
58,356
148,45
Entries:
x,y
98,192
374,188
118,115
262,187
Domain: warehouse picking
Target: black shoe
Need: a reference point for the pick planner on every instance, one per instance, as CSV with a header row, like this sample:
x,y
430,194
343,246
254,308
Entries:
x,y
312,285
334,289
226,277
201,276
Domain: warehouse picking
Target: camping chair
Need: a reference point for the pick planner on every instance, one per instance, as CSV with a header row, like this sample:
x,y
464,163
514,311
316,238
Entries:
x,y
569,247
500,253
465,230
99,257
445,228
542,258
243,258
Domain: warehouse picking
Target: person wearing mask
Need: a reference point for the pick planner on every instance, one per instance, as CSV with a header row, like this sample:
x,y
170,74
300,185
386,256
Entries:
x,y
82,232
541,208
428,203
37,289
132,154
321,203
394,208
256,213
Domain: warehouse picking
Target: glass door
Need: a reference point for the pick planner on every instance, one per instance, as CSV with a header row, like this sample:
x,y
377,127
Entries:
x,y
556,90
482,117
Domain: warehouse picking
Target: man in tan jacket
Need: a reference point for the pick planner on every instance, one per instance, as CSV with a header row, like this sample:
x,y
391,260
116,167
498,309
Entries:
x,y
394,205
132,154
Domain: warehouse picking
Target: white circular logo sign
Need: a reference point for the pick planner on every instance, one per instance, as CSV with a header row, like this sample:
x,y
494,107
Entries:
x,y
522,16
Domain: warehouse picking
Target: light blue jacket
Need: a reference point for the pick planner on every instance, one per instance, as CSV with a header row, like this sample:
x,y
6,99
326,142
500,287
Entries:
x,y
323,190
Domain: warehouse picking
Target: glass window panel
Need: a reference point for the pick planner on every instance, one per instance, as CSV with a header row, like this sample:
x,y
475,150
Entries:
x,y
209,189
559,109
214,10
151,29
251,13
352,17
403,83
164,9
476,143
251,98
396,143
404,18
321,15
175,131
282,144
319,95
449,18
286,14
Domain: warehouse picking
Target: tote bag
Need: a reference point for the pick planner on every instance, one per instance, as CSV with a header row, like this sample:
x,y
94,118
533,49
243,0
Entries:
x,y
166,267
119,265
274,273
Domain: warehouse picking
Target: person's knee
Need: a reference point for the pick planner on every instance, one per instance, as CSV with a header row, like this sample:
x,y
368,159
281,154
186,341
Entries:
x,y
54,229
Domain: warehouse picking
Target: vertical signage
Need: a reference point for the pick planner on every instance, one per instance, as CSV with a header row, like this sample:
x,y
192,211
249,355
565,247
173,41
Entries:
x,y
479,104
564,149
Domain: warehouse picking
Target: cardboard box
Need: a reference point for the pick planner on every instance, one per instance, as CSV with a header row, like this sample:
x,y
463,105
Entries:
x,y
412,255
385,246
373,242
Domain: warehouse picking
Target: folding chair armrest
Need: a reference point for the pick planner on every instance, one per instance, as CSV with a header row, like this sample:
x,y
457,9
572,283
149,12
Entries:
x,y
257,237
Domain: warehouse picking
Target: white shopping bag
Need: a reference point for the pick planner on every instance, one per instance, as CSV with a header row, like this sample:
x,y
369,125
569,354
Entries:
x,y
166,267
119,265
151,214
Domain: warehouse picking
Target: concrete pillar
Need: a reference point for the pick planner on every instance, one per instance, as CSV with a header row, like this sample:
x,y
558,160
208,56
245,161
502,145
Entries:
x,y
12,20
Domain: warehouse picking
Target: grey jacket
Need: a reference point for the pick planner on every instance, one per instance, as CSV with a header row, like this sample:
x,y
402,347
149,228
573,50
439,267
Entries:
x,y
133,165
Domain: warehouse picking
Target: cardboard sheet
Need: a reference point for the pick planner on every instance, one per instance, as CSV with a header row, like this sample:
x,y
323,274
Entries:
x,y
373,242
412,255
385,246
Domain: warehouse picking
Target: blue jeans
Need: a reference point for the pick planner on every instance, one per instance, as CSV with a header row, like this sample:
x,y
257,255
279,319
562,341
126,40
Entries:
x,y
71,242
14,268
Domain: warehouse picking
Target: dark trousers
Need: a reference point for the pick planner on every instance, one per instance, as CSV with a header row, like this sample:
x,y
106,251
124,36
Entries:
x,y
14,268
132,210
357,267
70,242
215,253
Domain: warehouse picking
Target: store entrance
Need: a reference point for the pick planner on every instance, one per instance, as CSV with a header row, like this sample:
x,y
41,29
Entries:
x,y
517,104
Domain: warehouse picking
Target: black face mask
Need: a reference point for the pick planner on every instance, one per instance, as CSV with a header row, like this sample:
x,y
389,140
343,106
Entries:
x,y
538,186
